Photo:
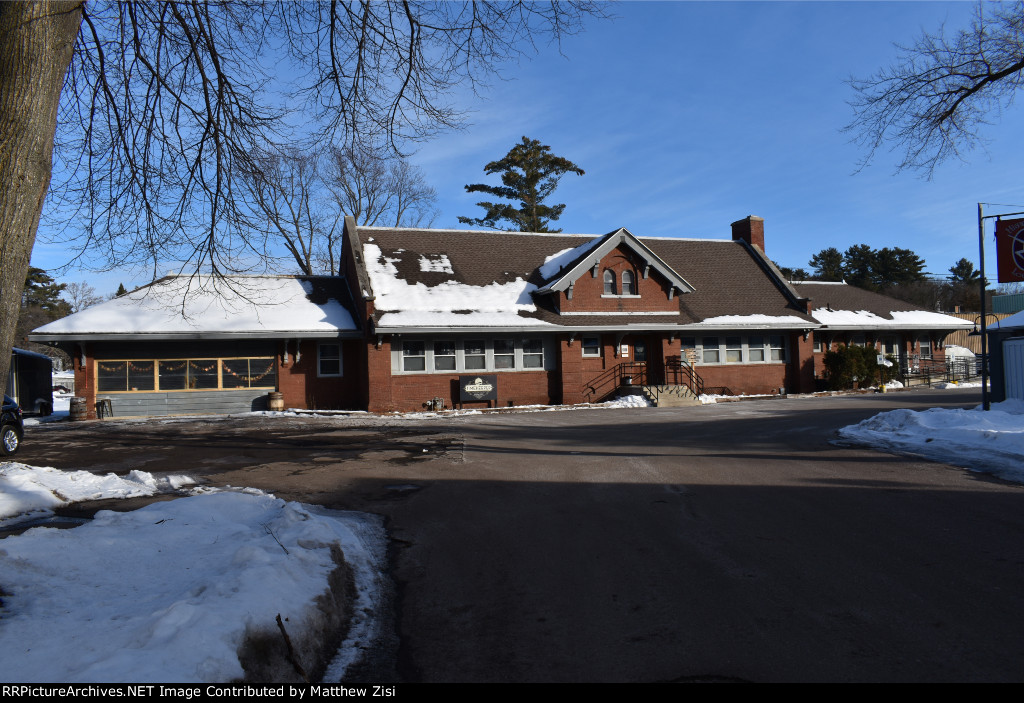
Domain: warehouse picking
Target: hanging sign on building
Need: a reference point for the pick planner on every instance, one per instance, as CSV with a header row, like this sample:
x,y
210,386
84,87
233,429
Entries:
x,y
1010,250
478,388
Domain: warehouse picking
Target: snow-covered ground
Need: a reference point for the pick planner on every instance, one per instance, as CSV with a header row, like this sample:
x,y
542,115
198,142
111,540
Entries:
x,y
991,442
169,592
28,492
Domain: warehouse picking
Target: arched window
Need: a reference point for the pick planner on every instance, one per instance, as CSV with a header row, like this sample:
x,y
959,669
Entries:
x,y
609,282
628,283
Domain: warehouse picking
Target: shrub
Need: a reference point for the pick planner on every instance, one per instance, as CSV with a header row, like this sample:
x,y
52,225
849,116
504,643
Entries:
x,y
849,365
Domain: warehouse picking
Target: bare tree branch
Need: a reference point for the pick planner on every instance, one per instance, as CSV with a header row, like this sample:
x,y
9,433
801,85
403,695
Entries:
x,y
931,104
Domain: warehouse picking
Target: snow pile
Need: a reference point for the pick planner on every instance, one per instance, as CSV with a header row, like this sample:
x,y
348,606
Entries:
x,y
627,401
37,490
180,304
449,303
955,384
168,593
991,441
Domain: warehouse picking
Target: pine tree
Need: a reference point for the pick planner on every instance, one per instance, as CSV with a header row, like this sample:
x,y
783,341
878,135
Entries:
x,y
828,265
120,291
529,174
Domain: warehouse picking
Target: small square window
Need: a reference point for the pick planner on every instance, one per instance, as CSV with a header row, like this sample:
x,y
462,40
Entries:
x,y
328,359
591,346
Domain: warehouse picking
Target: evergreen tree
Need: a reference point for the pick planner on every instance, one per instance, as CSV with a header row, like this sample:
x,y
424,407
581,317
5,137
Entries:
x,y
963,271
43,292
827,265
120,291
859,266
529,174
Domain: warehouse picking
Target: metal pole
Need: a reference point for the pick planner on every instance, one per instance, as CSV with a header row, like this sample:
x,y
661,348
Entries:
x,y
985,401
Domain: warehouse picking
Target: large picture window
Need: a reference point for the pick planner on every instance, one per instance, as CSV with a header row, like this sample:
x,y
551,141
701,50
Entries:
x,y
127,376
476,355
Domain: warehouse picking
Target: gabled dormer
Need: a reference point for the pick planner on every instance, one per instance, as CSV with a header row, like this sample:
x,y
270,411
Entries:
x,y
615,273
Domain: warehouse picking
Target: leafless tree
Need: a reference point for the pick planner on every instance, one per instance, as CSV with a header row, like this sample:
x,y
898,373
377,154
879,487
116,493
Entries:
x,y
377,187
81,295
284,186
932,102
153,112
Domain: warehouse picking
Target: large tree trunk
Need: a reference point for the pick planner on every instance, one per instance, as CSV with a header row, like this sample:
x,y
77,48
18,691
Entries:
x,y
36,43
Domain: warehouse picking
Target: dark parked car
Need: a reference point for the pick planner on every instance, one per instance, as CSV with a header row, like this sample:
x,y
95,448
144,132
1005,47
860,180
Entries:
x,y
11,427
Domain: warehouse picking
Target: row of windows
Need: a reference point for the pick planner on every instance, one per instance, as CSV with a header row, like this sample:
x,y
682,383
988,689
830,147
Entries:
x,y
611,285
717,350
185,374
472,355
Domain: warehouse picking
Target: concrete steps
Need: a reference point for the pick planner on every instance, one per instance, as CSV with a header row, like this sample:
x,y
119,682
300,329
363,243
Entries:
x,y
670,396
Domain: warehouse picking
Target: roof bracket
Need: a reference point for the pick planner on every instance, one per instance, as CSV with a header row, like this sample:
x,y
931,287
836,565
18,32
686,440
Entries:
x,y
647,270
380,341
572,338
568,291
593,271
671,292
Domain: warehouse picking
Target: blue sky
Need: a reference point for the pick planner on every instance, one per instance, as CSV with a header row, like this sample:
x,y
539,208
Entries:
x,y
687,116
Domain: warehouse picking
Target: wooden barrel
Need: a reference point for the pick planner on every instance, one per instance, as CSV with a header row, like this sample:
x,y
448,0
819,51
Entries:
x,y
276,401
79,410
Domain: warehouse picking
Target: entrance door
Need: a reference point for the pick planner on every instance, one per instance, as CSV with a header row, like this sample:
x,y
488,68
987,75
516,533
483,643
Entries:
x,y
639,351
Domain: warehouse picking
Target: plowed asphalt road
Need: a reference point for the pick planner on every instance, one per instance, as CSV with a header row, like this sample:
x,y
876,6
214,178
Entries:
x,y
723,542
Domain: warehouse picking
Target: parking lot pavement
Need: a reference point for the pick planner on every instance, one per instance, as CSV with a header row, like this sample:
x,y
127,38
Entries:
x,y
720,542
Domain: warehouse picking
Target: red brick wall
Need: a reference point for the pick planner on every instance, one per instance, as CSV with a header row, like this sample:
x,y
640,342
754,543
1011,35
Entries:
x,y
85,381
800,378
410,392
746,379
588,290
303,388
378,376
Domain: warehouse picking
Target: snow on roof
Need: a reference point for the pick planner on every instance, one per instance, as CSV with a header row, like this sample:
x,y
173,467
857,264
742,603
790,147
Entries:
x,y
739,321
554,264
449,303
193,304
1015,320
899,319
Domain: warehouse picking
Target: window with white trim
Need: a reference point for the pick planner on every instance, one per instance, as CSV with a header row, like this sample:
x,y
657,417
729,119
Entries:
x,y
328,362
777,345
444,355
533,354
628,283
591,346
609,282
504,354
925,343
755,349
474,355
710,352
733,350
414,356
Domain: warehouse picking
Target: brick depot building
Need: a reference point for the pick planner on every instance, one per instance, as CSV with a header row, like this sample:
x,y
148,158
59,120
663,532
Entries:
x,y
520,318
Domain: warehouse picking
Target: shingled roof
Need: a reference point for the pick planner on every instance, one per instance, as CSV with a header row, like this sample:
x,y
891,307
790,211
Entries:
x,y
424,279
845,307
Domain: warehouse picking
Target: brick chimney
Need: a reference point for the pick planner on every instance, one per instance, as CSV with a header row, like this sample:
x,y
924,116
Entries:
x,y
750,230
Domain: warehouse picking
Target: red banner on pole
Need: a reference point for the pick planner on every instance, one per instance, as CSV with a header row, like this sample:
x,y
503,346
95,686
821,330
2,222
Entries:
x,y
1010,250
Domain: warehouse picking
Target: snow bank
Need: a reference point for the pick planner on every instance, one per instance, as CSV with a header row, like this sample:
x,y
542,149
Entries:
x,y
169,592
37,490
992,442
